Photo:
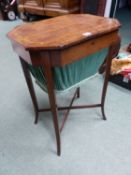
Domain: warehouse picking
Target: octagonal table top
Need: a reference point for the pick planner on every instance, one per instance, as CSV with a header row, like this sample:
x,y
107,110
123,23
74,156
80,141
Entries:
x,y
61,32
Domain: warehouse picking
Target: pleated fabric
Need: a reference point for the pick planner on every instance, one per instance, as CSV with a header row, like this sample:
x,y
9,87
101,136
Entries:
x,y
71,74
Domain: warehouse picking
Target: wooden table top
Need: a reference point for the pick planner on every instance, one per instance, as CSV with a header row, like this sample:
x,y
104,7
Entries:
x,y
61,32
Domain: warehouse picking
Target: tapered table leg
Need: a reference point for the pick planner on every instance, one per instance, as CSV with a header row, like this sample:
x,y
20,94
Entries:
x,y
52,100
107,73
30,87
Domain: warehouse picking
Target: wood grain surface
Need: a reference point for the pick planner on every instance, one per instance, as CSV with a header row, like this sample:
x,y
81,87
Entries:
x,y
62,31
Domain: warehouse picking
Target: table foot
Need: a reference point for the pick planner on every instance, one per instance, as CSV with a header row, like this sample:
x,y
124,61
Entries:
x,y
103,113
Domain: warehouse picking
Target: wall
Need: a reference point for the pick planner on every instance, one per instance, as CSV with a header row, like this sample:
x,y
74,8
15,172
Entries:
x,y
108,7
111,6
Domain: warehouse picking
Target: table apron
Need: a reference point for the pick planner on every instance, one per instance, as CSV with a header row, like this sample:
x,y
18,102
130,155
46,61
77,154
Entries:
x,y
68,55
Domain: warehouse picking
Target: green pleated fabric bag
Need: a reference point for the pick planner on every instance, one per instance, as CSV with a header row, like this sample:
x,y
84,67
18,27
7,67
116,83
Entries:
x,y
71,74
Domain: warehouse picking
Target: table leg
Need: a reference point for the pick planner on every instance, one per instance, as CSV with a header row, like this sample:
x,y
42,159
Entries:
x,y
107,73
50,87
30,87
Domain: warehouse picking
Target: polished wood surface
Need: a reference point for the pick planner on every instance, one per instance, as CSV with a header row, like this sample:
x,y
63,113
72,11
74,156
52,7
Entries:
x,y
61,7
31,6
49,7
60,41
61,32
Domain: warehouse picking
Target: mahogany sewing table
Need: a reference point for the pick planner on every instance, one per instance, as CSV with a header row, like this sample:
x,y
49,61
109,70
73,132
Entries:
x,y
60,41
